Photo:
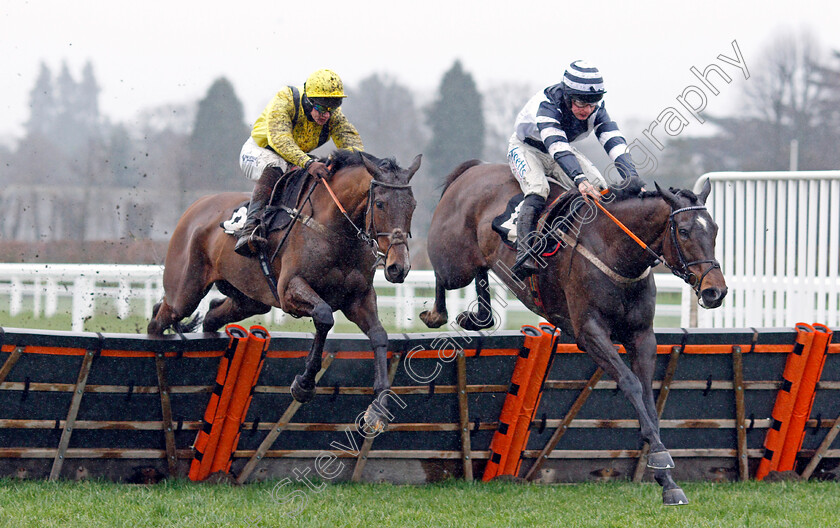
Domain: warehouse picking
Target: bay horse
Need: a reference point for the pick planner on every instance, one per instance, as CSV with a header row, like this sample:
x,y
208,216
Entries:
x,y
597,287
346,226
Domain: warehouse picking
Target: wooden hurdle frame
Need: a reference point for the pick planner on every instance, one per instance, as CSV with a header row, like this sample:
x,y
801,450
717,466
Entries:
x,y
83,411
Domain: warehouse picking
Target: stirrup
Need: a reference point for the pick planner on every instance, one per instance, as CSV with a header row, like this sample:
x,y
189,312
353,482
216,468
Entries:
x,y
524,268
250,245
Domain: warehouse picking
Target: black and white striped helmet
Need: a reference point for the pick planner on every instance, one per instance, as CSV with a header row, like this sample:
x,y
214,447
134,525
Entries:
x,y
583,81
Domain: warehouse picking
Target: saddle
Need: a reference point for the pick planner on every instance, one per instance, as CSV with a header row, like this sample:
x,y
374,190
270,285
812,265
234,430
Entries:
x,y
282,208
564,205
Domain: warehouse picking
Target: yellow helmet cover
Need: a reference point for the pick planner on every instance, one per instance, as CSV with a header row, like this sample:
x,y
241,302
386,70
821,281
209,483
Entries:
x,y
324,83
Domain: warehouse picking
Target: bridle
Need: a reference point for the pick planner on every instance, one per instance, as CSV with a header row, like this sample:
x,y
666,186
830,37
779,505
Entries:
x,y
681,269
370,235
394,239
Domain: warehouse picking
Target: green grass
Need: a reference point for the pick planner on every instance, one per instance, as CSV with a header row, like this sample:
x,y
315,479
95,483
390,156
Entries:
x,y
450,504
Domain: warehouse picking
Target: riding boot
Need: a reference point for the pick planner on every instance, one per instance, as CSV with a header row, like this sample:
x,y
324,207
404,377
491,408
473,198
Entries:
x,y
251,240
529,214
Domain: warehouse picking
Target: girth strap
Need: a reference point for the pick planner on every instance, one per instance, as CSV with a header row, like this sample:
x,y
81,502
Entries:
x,y
306,220
588,255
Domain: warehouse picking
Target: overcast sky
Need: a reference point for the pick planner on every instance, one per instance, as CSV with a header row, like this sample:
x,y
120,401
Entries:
x,y
153,52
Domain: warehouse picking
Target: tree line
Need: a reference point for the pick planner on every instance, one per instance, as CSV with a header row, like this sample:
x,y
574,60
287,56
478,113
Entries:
x,y
75,175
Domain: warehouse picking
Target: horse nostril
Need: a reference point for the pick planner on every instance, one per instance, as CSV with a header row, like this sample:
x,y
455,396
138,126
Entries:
x,y
713,296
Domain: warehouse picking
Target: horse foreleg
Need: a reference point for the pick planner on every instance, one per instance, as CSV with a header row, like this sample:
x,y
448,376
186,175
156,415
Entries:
x,y
593,337
437,316
483,316
672,495
300,299
364,314
642,353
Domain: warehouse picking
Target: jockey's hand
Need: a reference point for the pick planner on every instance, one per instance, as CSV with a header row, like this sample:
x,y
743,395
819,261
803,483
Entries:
x,y
316,168
587,189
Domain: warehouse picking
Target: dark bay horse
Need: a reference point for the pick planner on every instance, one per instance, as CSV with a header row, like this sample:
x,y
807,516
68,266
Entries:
x,y
606,297
326,264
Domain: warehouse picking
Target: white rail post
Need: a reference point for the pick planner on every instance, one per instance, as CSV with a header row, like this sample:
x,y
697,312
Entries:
x,y
84,303
51,297
122,301
16,296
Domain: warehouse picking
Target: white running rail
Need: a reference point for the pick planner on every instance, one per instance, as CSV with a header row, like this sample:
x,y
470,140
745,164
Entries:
x,y
778,244
45,290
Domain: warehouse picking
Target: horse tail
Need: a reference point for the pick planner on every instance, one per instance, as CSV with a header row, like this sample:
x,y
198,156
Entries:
x,y
459,170
191,326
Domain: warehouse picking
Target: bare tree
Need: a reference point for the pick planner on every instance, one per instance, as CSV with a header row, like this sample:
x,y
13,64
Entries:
x,y
785,90
502,102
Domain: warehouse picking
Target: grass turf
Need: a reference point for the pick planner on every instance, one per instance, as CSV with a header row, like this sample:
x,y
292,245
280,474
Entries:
x,y
448,504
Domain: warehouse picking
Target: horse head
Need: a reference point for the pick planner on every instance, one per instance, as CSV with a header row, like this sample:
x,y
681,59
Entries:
x,y
390,207
689,247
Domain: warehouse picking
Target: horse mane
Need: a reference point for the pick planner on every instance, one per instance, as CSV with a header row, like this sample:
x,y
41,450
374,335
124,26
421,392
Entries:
x,y
633,187
459,170
343,158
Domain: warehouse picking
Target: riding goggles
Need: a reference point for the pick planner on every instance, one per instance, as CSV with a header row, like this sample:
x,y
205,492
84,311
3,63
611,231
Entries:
x,y
323,109
579,103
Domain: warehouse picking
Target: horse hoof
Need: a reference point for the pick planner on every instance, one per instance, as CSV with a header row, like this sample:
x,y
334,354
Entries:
x,y
660,460
299,392
674,497
375,420
432,321
466,320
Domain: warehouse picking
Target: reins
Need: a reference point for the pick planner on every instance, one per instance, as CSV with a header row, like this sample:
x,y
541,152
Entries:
x,y
684,273
630,233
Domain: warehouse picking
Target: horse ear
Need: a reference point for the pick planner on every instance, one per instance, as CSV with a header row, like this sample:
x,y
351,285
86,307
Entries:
x,y
707,188
415,165
668,196
372,168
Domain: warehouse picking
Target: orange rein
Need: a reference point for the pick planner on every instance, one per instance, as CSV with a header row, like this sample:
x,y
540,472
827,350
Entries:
x,y
335,199
622,226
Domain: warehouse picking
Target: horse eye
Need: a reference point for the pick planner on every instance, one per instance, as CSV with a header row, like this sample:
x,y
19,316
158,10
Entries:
x,y
380,204
683,233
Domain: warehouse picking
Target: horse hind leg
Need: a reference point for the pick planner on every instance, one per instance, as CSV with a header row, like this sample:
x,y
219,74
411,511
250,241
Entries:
x,y
164,316
231,309
158,323
178,302
483,316
437,316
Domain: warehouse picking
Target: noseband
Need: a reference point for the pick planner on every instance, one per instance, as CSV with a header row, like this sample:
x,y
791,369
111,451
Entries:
x,y
681,270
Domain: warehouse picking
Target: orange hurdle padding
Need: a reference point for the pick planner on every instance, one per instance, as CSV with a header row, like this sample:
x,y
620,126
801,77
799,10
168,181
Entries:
x,y
211,429
805,397
246,379
783,408
500,445
530,400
